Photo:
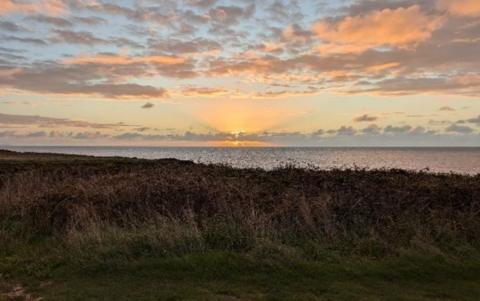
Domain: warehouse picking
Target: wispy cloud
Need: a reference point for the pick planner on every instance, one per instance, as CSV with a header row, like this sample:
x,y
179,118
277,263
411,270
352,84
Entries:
x,y
469,8
365,118
41,121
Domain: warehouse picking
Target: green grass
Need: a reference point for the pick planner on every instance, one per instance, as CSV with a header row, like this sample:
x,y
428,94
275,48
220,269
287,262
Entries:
x,y
234,276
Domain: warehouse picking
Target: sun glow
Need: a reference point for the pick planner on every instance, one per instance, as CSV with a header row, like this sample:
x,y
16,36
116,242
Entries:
x,y
238,143
237,132
237,117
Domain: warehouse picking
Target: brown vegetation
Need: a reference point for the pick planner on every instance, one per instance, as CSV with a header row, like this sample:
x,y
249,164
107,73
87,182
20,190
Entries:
x,y
129,207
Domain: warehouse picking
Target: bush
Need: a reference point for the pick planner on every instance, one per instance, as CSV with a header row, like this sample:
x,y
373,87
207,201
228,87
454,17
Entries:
x,y
105,208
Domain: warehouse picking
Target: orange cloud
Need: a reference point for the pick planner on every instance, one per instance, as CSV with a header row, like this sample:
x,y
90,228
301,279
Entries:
x,y
50,7
286,93
271,47
401,27
125,60
53,7
203,91
116,65
253,65
468,79
469,8
382,67
8,6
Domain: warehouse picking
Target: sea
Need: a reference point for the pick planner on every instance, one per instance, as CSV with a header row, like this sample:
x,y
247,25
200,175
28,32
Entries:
x,y
435,160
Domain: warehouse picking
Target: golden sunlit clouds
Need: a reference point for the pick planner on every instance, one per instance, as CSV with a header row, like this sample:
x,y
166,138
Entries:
x,y
125,60
469,8
203,91
49,7
382,67
399,27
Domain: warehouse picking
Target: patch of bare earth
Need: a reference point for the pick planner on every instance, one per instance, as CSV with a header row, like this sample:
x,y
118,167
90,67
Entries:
x,y
19,293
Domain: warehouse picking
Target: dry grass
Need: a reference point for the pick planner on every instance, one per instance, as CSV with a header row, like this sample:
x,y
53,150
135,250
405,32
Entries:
x,y
102,208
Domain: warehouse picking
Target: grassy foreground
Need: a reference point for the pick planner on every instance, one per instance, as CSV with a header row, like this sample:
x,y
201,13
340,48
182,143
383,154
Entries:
x,y
84,228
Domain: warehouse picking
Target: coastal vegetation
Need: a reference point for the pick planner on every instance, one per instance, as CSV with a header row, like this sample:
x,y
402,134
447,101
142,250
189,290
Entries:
x,y
88,228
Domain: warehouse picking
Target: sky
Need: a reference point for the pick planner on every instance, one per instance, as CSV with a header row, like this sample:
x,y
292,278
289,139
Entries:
x,y
240,73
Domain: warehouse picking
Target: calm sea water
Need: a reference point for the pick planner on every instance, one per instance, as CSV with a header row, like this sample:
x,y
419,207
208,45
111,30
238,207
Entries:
x,y
459,160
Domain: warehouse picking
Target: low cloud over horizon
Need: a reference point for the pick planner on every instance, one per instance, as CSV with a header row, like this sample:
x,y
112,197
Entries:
x,y
19,128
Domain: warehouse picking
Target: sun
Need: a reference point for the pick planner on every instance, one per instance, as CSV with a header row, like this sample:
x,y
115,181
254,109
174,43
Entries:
x,y
239,144
237,132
